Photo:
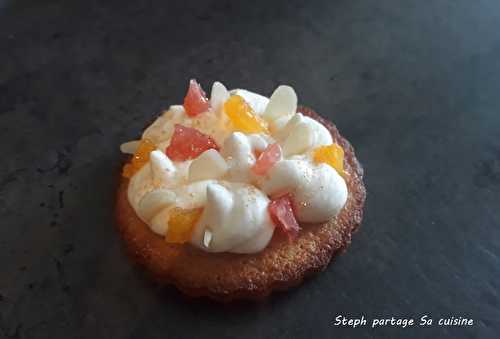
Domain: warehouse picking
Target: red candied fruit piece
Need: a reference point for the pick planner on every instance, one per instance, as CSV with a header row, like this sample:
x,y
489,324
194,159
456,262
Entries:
x,y
188,143
282,215
196,100
267,159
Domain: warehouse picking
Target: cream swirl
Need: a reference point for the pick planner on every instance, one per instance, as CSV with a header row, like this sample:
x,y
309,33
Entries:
x,y
235,201
319,191
236,218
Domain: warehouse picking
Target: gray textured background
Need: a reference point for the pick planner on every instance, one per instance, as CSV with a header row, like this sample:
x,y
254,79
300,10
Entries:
x,y
415,86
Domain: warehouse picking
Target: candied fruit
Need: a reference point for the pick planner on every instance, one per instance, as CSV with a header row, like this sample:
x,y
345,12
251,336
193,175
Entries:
x,y
267,159
282,215
242,116
187,143
181,224
332,155
139,159
195,101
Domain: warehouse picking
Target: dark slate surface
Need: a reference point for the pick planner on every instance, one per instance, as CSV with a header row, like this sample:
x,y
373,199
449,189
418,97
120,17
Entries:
x,y
414,85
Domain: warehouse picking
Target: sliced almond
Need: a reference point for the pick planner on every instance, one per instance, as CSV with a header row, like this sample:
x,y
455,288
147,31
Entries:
x,y
207,238
283,102
300,138
129,147
218,96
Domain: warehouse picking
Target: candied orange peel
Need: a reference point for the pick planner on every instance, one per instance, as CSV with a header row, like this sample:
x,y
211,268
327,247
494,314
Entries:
x,y
139,159
332,155
181,224
243,117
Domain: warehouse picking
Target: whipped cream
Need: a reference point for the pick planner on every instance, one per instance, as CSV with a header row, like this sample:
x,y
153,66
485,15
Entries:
x,y
235,201
319,191
229,204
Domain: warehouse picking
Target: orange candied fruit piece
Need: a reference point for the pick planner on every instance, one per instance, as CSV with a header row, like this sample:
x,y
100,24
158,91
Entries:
x,y
332,155
139,159
242,116
181,224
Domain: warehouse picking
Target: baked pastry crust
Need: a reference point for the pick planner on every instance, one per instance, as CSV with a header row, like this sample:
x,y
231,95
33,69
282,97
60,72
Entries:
x,y
228,276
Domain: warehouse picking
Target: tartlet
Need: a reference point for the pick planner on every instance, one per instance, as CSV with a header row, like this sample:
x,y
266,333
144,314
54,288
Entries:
x,y
283,263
